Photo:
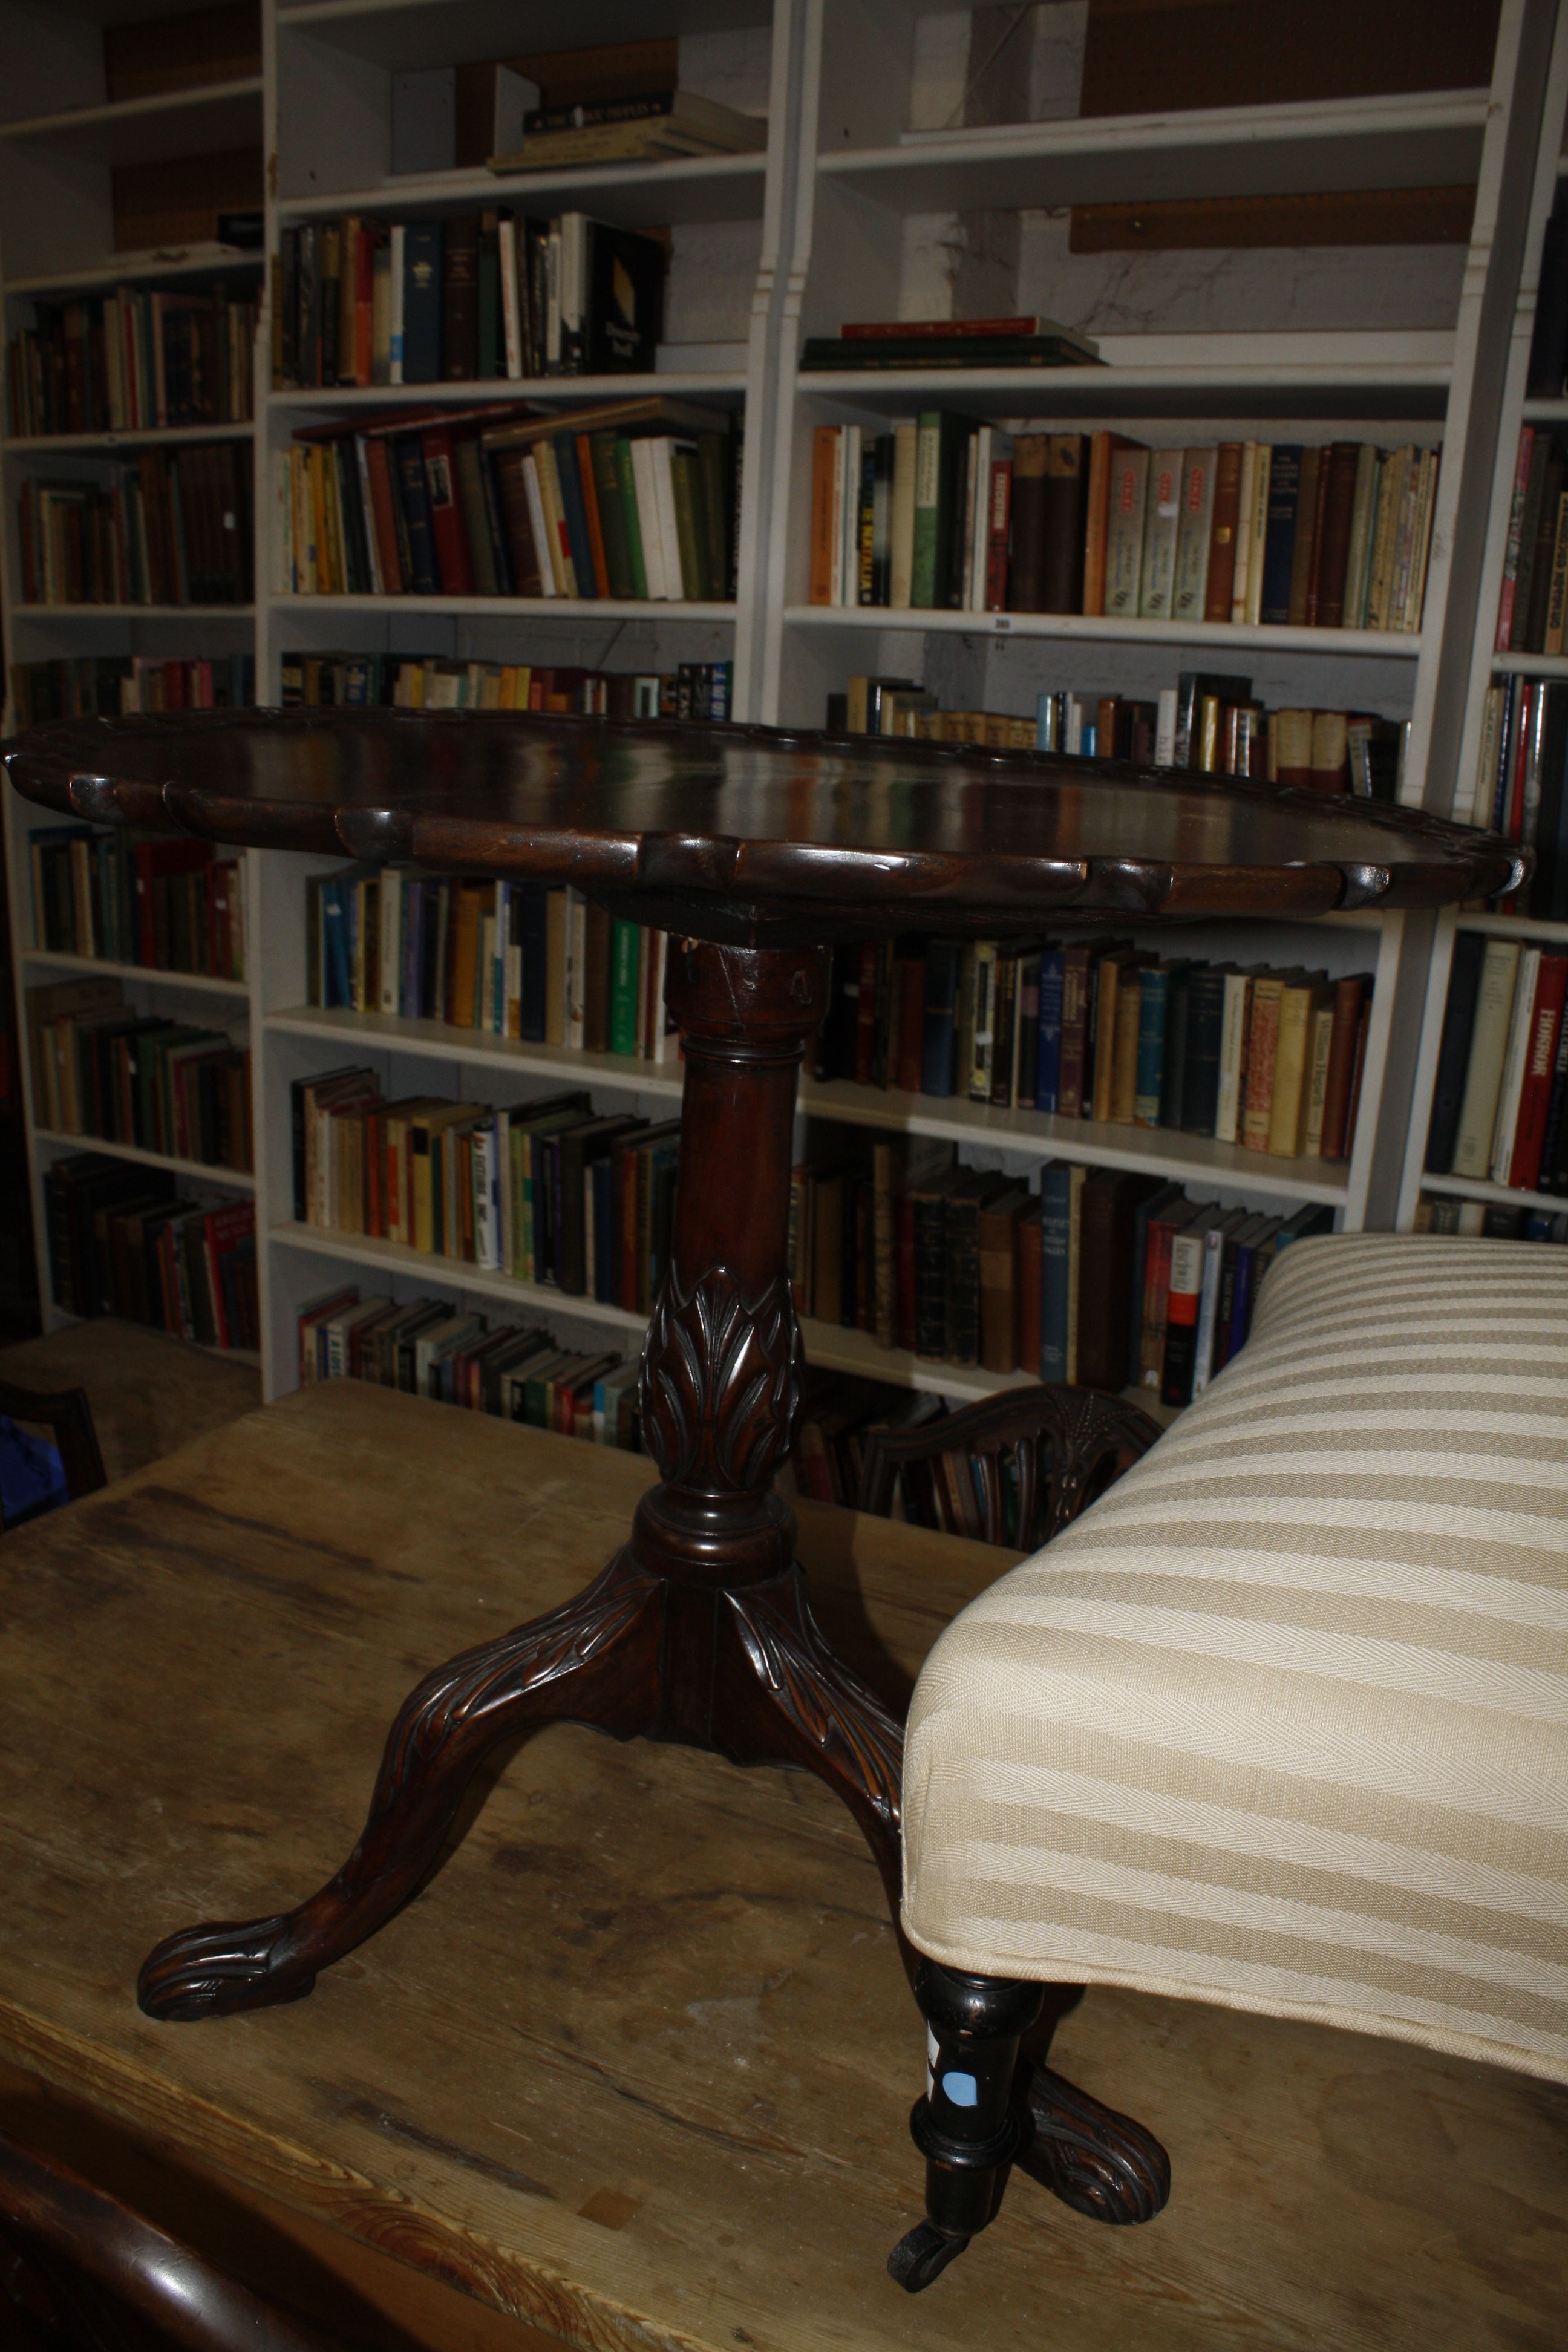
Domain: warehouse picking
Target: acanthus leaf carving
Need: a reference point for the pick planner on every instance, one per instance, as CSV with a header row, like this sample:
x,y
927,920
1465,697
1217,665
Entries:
x,y
720,1381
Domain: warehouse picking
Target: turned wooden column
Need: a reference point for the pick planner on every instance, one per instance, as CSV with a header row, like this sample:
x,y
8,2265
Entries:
x,y
720,1374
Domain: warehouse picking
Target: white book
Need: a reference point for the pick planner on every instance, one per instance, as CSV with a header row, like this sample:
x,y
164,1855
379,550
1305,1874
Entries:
x,y
647,519
396,263
984,445
660,451
1161,512
1124,532
553,300
1242,573
1258,521
849,519
481,1164
1208,1298
1073,731
510,309
1192,529
1515,1061
372,543
662,1041
390,930
1483,1075
539,526
1165,727
1417,592
1232,1056
576,968
903,533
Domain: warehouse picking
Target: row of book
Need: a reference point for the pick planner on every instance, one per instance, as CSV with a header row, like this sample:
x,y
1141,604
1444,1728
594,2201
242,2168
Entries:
x,y
428,1347
171,527
1099,1278
1208,722
134,361
127,1241
946,512
427,682
651,126
544,1191
101,1069
512,958
632,500
1500,1099
1493,1221
1535,593
485,298
1522,781
102,686
1268,1060
171,905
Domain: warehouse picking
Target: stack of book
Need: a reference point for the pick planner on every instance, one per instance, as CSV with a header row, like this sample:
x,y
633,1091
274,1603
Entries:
x,y
101,685
171,528
132,361
428,1348
427,682
1534,590
1206,722
1499,1101
512,958
949,344
172,905
945,512
99,1068
126,1241
1520,788
491,296
633,499
542,1191
1095,1030
1099,1279
650,126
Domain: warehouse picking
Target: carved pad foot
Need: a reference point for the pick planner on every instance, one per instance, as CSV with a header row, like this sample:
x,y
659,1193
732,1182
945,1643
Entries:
x,y
1101,2163
214,1971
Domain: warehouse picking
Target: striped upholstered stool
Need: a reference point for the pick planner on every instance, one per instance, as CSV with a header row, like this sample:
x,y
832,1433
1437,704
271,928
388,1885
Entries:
x,y
1280,1723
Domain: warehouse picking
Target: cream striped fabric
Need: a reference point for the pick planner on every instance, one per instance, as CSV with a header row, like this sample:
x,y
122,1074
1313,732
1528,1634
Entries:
x,y
1283,1722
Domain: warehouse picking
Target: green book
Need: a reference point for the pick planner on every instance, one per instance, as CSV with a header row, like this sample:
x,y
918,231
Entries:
x,y
711,449
624,959
683,469
612,520
627,484
928,501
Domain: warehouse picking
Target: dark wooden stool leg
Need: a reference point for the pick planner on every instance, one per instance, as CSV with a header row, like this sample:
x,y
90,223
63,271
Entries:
x,y
593,1661
970,2125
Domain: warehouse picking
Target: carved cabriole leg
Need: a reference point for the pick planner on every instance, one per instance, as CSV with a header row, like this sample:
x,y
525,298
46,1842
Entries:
x,y
593,1661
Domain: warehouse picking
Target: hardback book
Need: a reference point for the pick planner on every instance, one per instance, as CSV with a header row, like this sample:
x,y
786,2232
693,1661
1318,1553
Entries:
x,y
1483,1076
1195,532
1108,1203
1161,517
1227,518
1124,532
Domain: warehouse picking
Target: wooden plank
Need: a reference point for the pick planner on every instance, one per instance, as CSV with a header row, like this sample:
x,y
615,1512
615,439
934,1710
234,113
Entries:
x,y
1359,216
637,2067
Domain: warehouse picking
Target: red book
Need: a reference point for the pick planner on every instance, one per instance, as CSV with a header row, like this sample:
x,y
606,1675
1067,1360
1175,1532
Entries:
x,y
909,1009
222,1231
153,859
591,514
1515,526
866,1016
1545,1022
904,1286
997,540
383,516
452,558
1030,1288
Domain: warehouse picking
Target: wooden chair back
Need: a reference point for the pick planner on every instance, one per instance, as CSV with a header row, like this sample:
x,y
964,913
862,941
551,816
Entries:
x,y
68,1416
1066,1447
82,2273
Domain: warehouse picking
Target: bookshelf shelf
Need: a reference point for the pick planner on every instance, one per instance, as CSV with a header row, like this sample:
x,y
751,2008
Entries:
x,y
1416,391
1529,928
534,608
1225,636
627,195
1095,1143
1468,1188
236,1180
136,268
405,34
147,129
485,1282
727,385
53,960
155,436
51,612
1545,412
1532,665
1429,139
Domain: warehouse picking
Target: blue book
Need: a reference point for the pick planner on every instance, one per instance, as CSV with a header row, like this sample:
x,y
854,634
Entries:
x,y
939,1056
1048,1051
1055,1266
1200,1078
422,242
415,500
1280,540
337,958
577,515
1154,999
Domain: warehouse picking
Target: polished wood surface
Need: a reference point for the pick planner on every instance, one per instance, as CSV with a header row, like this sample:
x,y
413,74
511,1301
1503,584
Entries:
x,y
742,833
638,2067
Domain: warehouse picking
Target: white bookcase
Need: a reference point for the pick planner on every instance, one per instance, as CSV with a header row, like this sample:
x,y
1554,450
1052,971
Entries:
x,y
839,218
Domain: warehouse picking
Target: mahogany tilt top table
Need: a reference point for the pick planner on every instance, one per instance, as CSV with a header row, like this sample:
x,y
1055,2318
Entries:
x,y
755,848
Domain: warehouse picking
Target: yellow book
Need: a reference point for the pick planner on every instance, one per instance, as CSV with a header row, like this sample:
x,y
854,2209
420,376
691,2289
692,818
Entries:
x,y
1262,1053
1287,1111
1318,1076
550,497
1107,983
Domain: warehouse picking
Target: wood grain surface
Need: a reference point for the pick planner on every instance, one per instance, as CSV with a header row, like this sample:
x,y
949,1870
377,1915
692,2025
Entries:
x,y
636,2068
745,832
